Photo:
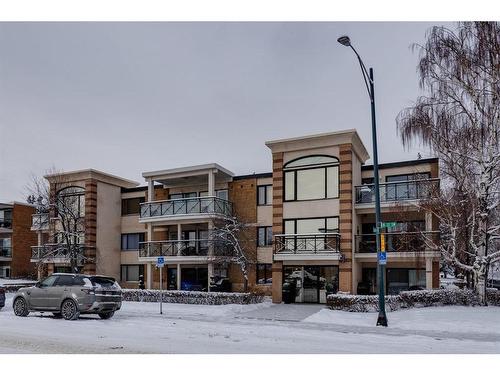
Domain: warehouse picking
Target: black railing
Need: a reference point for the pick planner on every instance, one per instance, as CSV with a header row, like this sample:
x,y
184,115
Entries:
x,y
397,191
307,243
6,223
40,221
398,242
5,252
185,248
53,250
187,206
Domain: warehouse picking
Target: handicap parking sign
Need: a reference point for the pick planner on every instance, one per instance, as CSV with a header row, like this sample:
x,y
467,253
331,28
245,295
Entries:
x,y
160,261
382,257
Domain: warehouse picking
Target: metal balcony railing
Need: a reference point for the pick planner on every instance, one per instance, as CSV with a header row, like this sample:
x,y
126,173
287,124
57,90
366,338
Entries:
x,y
40,221
54,250
187,206
397,191
5,252
6,223
307,243
397,242
184,248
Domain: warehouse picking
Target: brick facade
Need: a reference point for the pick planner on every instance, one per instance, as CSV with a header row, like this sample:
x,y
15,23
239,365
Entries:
x,y
91,251
277,267
22,240
345,221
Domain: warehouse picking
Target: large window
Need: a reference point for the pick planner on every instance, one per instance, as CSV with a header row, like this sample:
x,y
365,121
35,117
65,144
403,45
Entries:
x,y
312,226
264,236
311,177
403,187
264,273
130,241
132,206
132,272
71,202
264,195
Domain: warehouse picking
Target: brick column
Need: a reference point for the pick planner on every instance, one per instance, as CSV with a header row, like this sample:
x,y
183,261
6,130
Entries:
x,y
345,222
90,251
277,267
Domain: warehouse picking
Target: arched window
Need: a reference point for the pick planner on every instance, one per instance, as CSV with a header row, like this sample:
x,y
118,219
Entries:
x,y
71,201
311,177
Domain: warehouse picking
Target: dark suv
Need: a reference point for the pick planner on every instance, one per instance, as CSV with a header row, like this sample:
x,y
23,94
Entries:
x,y
69,295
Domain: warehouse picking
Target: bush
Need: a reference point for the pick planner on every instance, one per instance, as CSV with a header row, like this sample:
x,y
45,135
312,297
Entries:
x,y
197,298
408,299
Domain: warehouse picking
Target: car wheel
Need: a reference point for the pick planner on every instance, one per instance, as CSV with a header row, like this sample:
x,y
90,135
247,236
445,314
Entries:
x,y
21,307
69,310
106,315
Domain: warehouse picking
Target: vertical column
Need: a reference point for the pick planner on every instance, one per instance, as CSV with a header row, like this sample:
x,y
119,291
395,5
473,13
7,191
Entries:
x,y
345,222
428,273
91,251
179,239
277,267
211,183
178,276
149,276
151,191
211,254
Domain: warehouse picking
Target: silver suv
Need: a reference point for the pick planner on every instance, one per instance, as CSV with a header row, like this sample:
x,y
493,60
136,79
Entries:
x,y
69,295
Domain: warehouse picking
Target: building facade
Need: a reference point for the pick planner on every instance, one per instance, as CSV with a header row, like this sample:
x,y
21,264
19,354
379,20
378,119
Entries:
x,y
16,239
311,222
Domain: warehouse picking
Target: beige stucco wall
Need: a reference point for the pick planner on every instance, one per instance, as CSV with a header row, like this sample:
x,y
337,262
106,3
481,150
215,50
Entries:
x,y
108,230
129,257
265,254
130,224
398,170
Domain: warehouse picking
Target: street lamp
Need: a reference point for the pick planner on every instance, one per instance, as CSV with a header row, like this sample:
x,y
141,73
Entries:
x,y
368,78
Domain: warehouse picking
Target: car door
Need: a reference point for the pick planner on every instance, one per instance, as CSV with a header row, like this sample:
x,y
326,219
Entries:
x,y
57,291
38,295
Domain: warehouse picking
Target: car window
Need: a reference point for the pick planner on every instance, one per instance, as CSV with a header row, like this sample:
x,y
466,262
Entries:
x,y
79,280
49,281
102,282
64,280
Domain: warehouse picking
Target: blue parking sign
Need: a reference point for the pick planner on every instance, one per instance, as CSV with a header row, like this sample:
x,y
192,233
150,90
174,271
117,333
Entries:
x,y
382,257
160,261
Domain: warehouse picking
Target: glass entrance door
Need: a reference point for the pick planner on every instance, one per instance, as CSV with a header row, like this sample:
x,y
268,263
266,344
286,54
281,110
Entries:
x,y
312,283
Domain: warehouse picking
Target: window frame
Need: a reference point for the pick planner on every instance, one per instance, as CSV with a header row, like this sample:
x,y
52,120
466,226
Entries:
x,y
141,235
312,218
325,166
265,186
267,238
268,267
126,267
141,200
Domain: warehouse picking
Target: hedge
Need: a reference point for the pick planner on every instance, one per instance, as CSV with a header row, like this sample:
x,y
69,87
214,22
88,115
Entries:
x,y
197,298
409,299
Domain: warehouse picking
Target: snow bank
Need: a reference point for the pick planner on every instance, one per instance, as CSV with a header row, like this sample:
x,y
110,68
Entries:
x,y
188,297
418,298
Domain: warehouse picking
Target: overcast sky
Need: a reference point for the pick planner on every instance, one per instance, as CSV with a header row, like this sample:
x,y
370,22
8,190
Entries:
x,y
126,98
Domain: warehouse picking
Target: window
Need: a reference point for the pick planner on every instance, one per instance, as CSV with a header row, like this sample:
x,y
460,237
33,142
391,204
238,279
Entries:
x,y
5,218
49,281
71,202
311,226
264,274
264,236
183,195
311,177
222,194
130,241
132,272
132,206
402,186
264,195
64,280
77,238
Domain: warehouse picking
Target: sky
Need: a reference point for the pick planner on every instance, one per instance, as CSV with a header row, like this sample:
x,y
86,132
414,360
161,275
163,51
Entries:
x,y
126,98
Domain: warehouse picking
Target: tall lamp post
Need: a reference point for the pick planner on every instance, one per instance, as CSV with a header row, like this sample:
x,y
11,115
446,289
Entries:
x,y
368,77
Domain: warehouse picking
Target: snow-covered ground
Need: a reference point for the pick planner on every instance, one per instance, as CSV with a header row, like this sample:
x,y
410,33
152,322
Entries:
x,y
16,281
261,328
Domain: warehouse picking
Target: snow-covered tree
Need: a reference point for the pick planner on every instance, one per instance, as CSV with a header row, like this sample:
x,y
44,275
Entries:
x,y
235,243
65,206
458,117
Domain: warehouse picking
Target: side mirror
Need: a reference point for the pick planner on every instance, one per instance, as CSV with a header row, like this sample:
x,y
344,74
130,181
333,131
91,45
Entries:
x,y
37,285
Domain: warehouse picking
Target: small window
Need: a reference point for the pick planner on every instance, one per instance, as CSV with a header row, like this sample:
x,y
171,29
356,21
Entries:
x,y
132,272
131,206
264,236
264,274
130,241
222,194
264,195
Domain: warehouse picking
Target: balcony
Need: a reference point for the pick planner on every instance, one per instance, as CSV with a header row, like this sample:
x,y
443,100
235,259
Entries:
x,y
6,223
40,222
5,252
199,207
184,249
397,191
401,242
53,252
307,246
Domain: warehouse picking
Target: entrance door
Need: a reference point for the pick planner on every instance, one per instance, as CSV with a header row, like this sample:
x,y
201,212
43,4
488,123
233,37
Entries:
x,y
171,278
312,283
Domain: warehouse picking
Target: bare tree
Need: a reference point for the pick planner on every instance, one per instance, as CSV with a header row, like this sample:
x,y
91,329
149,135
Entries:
x,y
459,119
64,204
235,242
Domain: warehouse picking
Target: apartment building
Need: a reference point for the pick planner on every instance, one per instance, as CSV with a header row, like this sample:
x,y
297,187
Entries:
x,y
312,219
16,239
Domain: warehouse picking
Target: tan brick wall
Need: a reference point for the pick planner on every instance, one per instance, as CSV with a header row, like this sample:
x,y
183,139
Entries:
x,y
22,240
345,222
435,275
90,225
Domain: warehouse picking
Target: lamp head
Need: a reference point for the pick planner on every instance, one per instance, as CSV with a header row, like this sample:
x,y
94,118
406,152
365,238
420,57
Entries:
x,y
344,40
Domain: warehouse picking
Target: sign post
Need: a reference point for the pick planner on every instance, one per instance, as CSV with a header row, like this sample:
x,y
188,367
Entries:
x,y
160,262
